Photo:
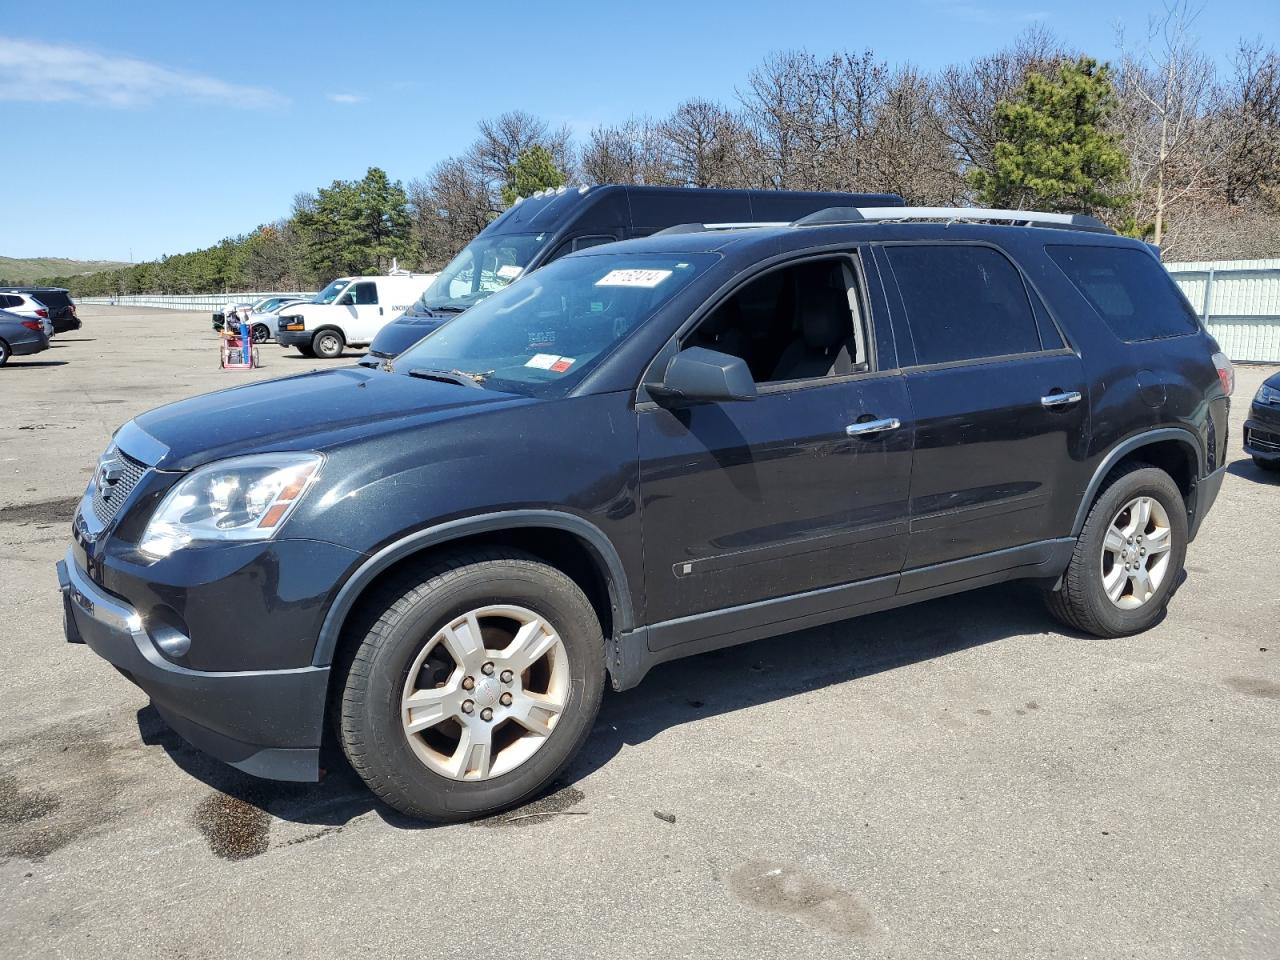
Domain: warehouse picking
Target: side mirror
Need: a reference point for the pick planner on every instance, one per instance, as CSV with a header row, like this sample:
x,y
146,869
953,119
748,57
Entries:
x,y
701,374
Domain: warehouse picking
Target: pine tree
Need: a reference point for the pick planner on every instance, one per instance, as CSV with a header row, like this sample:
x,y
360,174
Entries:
x,y
1053,152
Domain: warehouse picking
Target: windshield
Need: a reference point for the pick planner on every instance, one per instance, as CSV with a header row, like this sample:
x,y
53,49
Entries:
x,y
486,265
331,292
543,335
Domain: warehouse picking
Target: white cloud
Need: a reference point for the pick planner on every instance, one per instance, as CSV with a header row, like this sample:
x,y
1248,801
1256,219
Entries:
x,y
346,98
59,73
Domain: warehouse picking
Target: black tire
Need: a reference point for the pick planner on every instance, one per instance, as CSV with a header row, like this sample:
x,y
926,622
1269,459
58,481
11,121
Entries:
x,y
305,350
327,344
1272,466
261,333
1081,601
5,353
388,632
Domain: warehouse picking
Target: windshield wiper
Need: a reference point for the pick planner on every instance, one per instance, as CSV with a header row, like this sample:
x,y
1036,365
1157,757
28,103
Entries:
x,y
446,308
461,377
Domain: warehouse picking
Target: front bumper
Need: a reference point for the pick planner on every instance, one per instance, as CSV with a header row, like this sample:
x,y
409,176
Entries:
x,y
1262,433
265,722
294,338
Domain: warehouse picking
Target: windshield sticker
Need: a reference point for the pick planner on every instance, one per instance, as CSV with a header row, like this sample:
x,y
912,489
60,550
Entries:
x,y
549,361
510,271
633,278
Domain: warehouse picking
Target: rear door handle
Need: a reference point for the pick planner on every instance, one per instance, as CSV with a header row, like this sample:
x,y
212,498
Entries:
x,y
872,426
1060,399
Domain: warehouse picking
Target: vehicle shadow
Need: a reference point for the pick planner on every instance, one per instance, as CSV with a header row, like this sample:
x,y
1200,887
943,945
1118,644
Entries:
x,y
1249,470
674,694
345,355
16,363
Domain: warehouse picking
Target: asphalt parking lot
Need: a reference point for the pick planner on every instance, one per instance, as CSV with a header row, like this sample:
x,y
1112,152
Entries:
x,y
956,779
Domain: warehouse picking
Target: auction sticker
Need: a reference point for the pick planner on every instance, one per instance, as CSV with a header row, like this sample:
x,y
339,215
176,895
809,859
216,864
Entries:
x,y
633,278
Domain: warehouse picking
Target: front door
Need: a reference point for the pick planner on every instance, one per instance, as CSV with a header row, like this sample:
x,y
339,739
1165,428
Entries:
x,y
365,313
804,487
1000,403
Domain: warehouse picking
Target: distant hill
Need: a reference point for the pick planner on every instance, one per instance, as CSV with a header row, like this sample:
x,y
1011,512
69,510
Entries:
x,y
19,270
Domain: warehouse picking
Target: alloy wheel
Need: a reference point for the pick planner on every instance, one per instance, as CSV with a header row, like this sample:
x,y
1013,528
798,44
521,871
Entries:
x,y
485,692
1135,553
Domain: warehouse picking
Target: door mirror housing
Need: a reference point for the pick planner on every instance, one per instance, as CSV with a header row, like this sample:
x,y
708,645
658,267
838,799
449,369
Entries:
x,y
701,374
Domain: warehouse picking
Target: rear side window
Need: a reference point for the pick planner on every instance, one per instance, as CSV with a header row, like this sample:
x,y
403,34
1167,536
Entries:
x,y
363,294
9,300
53,298
963,302
1129,289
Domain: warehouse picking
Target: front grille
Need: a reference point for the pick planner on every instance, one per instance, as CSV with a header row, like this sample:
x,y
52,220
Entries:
x,y
1262,440
117,475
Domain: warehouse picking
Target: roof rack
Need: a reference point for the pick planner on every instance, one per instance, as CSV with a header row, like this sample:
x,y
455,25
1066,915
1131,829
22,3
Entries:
x,y
707,227
1028,218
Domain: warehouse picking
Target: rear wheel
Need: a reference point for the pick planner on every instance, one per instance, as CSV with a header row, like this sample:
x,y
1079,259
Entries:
x,y
261,333
1128,558
327,344
471,684
5,353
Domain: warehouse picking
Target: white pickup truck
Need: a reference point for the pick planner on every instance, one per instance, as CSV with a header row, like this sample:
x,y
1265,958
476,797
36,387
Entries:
x,y
348,312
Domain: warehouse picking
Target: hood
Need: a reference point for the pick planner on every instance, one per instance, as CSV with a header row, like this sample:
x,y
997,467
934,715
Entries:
x,y
313,411
401,334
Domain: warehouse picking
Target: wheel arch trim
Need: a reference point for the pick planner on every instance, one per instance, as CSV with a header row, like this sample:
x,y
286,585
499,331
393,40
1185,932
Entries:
x,y
601,547
1130,445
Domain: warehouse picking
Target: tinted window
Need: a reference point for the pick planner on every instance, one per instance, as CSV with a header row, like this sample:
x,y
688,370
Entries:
x,y
363,294
8,300
963,302
53,298
1129,289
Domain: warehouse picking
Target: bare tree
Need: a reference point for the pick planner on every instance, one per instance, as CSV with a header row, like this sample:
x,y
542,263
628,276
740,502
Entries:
x,y
1246,120
703,144
1164,91
632,152
908,152
449,207
510,134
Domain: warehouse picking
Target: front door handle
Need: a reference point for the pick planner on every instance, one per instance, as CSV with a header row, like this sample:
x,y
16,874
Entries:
x,y
1060,399
872,426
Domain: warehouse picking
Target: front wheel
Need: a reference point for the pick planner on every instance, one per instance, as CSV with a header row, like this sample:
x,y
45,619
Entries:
x,y
261,333
1128,558
327,344
5,353
470,684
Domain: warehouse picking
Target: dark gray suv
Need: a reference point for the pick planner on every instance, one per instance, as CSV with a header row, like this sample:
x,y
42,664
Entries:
x,y
643,451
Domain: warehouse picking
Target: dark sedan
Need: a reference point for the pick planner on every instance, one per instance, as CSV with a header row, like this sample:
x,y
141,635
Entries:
x,y
1262,429
20,336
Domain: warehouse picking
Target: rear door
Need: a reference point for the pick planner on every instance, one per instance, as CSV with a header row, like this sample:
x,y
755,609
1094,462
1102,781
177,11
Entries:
x,y
999,399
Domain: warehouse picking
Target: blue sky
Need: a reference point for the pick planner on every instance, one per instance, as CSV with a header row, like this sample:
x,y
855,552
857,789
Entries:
x,y
153,129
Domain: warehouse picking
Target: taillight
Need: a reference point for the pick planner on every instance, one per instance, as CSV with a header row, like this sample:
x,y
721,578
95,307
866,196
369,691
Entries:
x,y
33,325
43,313
1226,373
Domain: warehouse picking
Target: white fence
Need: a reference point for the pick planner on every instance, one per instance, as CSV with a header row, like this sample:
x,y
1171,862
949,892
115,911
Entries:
x,y
1239,301
194,302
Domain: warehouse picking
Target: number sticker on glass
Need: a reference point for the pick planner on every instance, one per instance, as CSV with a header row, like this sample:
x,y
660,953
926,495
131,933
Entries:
x,y
633,278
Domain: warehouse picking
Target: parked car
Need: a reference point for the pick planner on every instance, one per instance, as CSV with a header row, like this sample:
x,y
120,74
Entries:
x,y
57,300
25,305
21,336
552,223
262,316
641,452
348,312
1262,429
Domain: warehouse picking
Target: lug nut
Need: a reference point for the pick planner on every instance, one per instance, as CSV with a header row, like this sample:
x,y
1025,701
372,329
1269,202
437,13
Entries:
x,y
488,669
486,714
505,699
468,683
467,706
507,676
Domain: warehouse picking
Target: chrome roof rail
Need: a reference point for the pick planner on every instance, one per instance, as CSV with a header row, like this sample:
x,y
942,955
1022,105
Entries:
x,y
707,227
1028,218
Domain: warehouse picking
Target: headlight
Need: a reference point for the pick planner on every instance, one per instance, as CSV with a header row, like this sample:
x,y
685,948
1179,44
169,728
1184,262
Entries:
x,y
244,498
1267,394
